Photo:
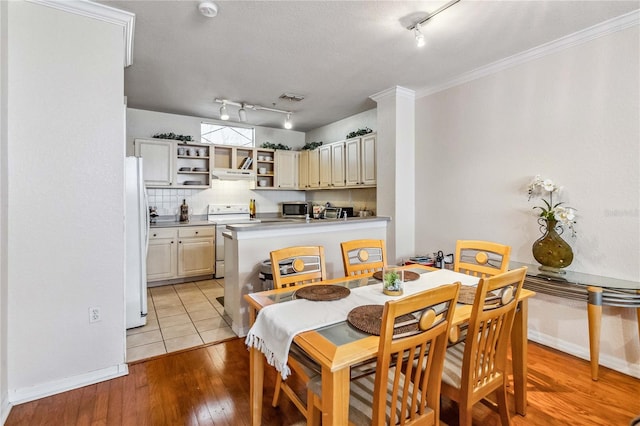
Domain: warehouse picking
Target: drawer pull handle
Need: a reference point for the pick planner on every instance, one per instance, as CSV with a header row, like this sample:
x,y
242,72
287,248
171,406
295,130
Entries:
x,y
155,235
196,232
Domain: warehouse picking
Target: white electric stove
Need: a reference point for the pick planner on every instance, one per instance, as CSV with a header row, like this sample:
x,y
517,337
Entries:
x,y
223,215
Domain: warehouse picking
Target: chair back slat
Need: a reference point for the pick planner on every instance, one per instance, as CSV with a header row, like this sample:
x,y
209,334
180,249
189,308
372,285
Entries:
x,y
481,258
297,265
363,256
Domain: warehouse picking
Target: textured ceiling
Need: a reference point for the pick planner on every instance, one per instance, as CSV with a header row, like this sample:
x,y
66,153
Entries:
x,y
334,53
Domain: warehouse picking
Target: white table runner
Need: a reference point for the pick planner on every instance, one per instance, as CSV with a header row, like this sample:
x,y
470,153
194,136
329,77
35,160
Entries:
x,y
276,325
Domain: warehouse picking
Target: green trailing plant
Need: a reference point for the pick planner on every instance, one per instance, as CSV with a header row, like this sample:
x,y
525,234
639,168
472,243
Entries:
x,y
311,145
173,136
270,145
359,132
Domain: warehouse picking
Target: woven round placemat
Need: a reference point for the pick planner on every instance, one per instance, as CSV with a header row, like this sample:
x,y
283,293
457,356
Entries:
x,y
368,318
320,293
408,275
467,294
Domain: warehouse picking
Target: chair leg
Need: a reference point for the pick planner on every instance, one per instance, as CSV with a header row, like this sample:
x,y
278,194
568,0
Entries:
x,y
276,391
314,413
503,408
464,414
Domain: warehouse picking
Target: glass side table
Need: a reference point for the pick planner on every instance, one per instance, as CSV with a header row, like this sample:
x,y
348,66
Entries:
x,y
595,290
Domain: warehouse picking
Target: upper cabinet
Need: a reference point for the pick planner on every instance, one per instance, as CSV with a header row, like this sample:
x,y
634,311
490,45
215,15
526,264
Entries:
x,y
360,161
286,169
170,163
324,153
337,165
345,164
158,161
309,169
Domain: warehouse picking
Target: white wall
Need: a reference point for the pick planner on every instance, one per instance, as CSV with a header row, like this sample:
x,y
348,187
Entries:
x,y
339,130
144,124
4,282
572,116
65,200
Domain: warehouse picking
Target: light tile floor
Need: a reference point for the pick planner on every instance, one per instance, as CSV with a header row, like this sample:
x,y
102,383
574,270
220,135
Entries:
x,y
180,316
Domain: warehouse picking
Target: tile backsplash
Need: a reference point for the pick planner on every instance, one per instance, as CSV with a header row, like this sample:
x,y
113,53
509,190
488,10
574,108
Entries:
x,y
168,200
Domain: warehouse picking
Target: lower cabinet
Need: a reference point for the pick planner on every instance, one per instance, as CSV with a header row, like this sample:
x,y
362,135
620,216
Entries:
x,y
180,252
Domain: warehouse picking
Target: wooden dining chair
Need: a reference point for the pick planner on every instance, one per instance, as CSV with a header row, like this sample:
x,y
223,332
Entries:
x,y
481,258
363,256
293,266
405,388
476,367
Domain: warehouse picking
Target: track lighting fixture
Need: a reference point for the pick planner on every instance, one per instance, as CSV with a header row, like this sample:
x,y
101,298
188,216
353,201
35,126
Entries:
x,y
419,36
420,41
224,115
242,112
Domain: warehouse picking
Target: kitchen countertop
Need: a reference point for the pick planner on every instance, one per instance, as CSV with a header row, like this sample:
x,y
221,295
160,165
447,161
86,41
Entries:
x,y
170,222
282,223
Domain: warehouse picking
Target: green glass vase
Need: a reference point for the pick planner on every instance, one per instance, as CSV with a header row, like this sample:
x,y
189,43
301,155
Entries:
x,y
550,250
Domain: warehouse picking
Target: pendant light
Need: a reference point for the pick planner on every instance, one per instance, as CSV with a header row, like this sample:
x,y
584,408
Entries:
x,y
287,122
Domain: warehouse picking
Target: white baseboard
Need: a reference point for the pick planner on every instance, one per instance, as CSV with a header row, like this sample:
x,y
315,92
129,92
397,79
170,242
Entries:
x,y
608,361
5,409
18,396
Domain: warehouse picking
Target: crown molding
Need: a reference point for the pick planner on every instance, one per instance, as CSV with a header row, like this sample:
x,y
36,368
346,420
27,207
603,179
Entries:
x,y
100,12
599,30
397,91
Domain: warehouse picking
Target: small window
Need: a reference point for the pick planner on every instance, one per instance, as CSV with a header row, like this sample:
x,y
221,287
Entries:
x,y
227,135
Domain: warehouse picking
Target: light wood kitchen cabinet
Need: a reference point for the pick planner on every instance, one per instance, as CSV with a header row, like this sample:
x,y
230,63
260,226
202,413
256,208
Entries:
x,y
196,251
360,161
368,157
174,163
313,169
162,257
337,165
286,174
158,161
324,152
178,252
265,168
303,170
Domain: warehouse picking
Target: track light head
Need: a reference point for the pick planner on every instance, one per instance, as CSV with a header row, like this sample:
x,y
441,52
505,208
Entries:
x,y
419,36
242,114
287,122
224,114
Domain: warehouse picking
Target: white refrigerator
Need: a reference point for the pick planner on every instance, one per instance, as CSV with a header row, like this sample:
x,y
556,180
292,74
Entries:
x,y
136,229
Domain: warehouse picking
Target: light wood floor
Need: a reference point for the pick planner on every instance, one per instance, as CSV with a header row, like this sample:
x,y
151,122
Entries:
x,y
210,386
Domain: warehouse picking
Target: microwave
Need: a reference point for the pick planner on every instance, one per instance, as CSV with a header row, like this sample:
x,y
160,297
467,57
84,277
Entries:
x,y
296,209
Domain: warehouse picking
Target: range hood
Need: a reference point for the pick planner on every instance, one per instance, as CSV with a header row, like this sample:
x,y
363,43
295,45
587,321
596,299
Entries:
x,y
231,174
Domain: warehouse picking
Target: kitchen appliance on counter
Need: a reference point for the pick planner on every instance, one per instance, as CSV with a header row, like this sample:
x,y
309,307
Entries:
x,y
296,209
136,229
223,215
348,210
332,212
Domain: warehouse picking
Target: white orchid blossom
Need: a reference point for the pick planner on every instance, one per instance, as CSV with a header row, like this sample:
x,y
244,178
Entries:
x,y
564,216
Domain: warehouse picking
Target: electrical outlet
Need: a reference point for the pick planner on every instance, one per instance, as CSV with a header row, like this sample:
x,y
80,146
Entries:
x,y
94,314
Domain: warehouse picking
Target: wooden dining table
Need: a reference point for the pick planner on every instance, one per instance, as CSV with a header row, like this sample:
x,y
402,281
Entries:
x,y
339,346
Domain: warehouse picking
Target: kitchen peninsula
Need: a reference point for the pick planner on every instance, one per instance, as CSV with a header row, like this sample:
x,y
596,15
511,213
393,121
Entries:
x,y
248,245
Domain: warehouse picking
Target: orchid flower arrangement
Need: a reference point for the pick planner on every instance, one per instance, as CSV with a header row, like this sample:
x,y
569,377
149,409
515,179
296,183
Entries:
x,y
563,215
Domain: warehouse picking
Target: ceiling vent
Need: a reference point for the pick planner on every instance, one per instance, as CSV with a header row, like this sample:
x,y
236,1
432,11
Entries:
x,y
291,97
